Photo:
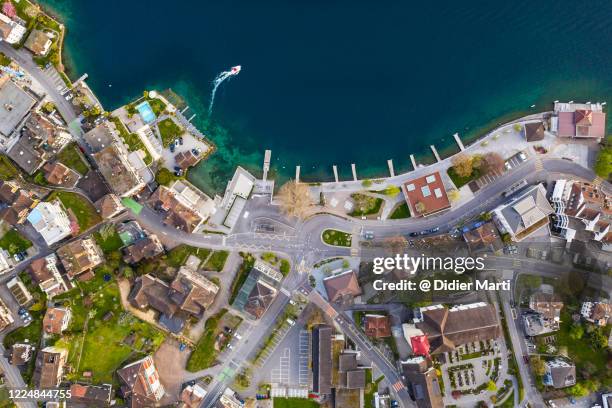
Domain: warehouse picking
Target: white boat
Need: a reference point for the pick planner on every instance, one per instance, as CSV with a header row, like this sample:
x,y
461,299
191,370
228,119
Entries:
x,y
235,70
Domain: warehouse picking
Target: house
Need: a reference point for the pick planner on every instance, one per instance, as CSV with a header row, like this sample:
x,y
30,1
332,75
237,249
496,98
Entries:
x,y
102,136
525,214
350,376
192,396
49,367
598,313
192,292
50,220
547,304
11,31
485,238
140,384
6,261
6,319
40,140
377,326
423,384
534,131
259,299
342,287
230,399
45,273
56,320
560,373
187,158
579,120
109,205
426,195
182,206
88,395
59,174
130,232
114,165
15,103
149,291
17,203
145,248
19,291
420,345
39,42
21,353
446,329
236,195
80,256
321,359
259,290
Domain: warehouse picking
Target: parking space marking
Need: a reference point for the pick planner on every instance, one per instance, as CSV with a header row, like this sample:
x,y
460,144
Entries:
x,y
280,375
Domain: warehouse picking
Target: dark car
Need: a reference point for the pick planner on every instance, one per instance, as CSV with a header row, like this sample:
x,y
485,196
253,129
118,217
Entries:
x,y
172,147
414,234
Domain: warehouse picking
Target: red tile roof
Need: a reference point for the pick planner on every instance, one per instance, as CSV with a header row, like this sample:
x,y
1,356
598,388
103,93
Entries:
x,y
377,326
420,345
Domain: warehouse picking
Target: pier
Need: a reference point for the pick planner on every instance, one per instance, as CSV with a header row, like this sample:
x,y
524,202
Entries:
x,y
391,170
413,161
459,142
266,165
297,174
435,152
336,173
354,169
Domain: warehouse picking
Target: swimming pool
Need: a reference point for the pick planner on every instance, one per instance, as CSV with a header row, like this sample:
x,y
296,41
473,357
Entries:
x,y
146,112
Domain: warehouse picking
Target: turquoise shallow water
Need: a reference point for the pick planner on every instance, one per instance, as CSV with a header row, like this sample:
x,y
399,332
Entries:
x,y
338,81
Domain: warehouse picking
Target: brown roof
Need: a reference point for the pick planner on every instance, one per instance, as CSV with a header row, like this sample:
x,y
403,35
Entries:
x,y
39,271
115,167
260,298
192,292
54,317
19,202
21,353
36,42
341,286
534,131
424,385
90,395
446,329
429,191
145,248
484,238
49,367
149,291
601,311
60,175
109,205
134,380
174,212
377,326
186,159
548,305
80,256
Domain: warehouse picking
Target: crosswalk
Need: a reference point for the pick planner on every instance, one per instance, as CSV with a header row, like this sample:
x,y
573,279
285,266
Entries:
x,y
538,164
398,386
597,181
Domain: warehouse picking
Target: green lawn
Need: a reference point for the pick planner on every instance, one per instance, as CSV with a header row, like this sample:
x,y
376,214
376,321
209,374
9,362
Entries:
x,y
365,205
216,262
401,211
178,255
281,263
7,170
336,238
132,140
204,355
169,130
294,403
157,105
371,388
84,211
461,181
71,157
4,60
108,239
14,242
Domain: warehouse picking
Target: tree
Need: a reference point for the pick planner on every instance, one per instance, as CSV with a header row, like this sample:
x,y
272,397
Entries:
x,y
420,207
294,199
576,331
532,281
492,162
518,127
164,177
603,165
366,183
453,195
491,386
538,366
598,339
463,165
578,391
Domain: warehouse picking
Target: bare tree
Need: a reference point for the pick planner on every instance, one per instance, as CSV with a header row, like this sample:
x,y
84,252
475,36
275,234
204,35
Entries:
x,y
493,163
463,164
294,198
454,195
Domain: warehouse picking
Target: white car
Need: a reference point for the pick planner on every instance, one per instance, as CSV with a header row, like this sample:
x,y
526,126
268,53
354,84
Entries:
x,y
236,335
508,166
522,156
291,322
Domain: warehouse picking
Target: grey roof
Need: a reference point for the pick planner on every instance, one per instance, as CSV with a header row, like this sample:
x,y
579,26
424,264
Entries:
x,y
101,136
25,154
321,359
15,103
528,209
424,385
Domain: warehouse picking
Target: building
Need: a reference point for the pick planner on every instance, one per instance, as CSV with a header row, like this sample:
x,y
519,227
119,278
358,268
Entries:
x,y
547,304
45,273
536,325
15,103
342,287
145,248
423,383
182,206
87,395
187,158
258,290
579,120
16,203
447,329
377,326
420,345
321,359
49,368
102,136
426,195
534,131
21,353
114,165
39,42
40,140
59,174
19,291
80,256
192,396
6,261
350,375
598,313
6,319
484,238
259,299
560,373
525,214
56,320
11,31
230,399
51,221
192,292
140,384
236,195
109,206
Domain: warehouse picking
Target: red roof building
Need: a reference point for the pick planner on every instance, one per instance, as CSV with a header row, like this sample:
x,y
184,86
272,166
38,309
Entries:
x,y
426,195
377,326
420,345
582,123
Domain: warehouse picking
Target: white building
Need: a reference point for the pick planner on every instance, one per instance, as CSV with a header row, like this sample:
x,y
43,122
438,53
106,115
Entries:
x,y
598,313
193,198
236,195
230,399
5,260
51,221
6,318
11,31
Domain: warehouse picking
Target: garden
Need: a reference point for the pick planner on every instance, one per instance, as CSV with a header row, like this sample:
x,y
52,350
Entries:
x,y
337,238
169,131
71,157
86,214
366,205
14,242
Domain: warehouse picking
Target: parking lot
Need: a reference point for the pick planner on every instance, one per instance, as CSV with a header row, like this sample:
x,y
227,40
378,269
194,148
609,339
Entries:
x,y
287,365
512,163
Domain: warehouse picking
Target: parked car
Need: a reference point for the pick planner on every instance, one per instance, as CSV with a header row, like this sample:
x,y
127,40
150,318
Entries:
x,y
414,234
236,335
522,156
291,322
172,147
508,166
368,235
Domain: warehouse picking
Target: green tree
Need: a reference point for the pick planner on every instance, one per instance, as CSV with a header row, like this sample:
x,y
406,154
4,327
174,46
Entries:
x,y
576,331
603,165
578,391
491,386
598,339
366,183
537,365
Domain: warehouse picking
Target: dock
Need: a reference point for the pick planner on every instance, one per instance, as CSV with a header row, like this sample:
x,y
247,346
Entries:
x,y
391,169
297,174
354,170
336,173
459,142
413,161
435,152
266,165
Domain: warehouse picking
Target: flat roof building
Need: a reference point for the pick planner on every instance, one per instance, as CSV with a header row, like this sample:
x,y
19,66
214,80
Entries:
x,y
50,220
15,103
117,170
426,195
